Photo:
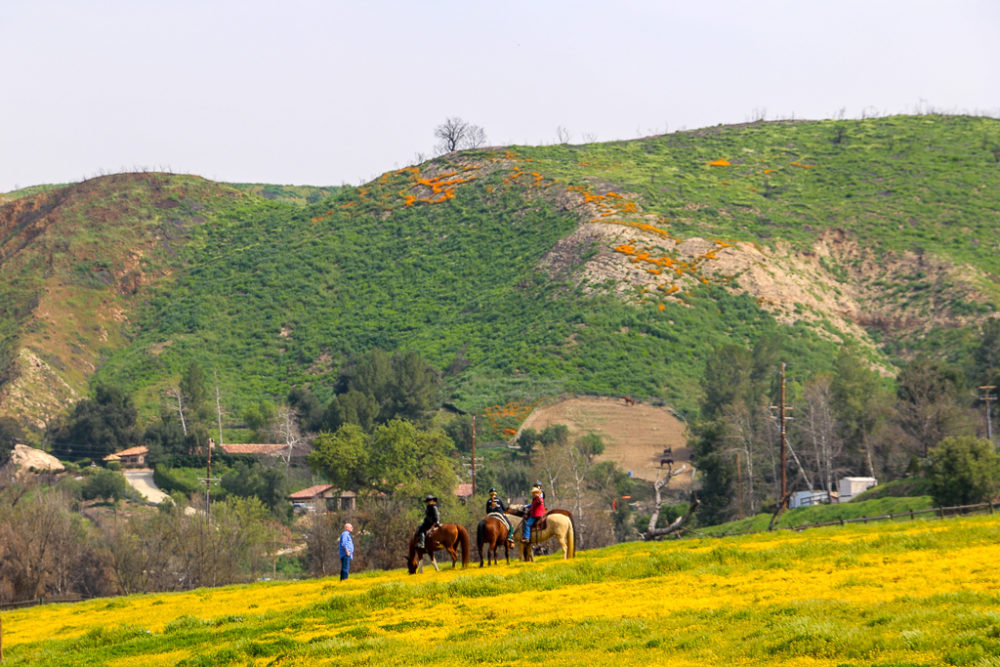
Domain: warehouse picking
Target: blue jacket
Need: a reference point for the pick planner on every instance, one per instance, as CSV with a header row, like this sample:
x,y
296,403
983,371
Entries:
x,y
346,544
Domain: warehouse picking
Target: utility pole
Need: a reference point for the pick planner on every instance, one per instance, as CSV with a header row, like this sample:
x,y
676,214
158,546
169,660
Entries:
x,y
473,455
208,482
782,431
987,397
781,427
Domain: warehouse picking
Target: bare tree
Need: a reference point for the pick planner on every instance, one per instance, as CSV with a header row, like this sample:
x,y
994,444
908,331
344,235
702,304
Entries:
x,y
818,431
562,135
456,134
286,430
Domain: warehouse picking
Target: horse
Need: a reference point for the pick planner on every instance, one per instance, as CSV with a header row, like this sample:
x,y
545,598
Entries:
x,y
558,524
446,537
492,532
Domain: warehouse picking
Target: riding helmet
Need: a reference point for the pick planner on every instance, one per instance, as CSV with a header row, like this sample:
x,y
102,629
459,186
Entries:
x,y
430,497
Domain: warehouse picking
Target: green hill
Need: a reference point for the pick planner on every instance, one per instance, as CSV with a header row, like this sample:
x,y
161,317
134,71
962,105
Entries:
x,y
521,273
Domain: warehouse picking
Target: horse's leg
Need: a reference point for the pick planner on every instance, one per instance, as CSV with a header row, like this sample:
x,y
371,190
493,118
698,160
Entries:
x,y
454,555
434,562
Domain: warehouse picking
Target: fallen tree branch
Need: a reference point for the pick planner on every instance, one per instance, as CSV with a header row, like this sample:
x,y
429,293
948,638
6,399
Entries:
x,y
676,525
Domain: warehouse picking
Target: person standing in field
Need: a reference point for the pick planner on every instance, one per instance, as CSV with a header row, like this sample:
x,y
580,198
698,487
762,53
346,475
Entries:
x,y
346,550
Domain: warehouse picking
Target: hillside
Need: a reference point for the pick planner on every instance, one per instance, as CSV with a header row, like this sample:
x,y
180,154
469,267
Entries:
x,y
609,269
914,593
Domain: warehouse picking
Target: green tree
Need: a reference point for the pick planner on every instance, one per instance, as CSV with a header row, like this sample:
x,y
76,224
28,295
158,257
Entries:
x,y
106,484
397,457
194,392
861,403
353,407
927,406
986,357
97,427
402,385
164,438
265,483
342,456
259,418
10,435
963,470
308,409
403,456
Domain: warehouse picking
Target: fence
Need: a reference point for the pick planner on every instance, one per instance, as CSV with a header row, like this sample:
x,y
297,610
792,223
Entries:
x,y
940,512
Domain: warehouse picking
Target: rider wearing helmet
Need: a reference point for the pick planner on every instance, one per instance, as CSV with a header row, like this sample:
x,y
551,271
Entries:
x,y
432,519
495,505
535,511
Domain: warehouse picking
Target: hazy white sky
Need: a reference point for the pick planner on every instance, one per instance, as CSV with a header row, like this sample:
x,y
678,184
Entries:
x,y
329,92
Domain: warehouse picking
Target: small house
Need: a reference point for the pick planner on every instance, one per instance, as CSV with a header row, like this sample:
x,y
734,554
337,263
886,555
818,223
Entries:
x,y
133,457
849,487
463,491
323,498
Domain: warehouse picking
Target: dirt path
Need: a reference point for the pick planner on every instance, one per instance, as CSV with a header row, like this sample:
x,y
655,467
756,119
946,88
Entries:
x,y
635,435
142,481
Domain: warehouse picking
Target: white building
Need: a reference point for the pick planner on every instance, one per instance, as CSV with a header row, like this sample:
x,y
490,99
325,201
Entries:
x,y
853,486
808,498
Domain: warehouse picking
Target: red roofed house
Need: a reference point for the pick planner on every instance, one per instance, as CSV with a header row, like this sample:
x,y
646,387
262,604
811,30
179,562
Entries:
x,y
266,450
323,498
463,491
133,457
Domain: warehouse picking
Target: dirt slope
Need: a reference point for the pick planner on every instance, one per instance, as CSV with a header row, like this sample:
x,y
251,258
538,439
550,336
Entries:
x,y
635,435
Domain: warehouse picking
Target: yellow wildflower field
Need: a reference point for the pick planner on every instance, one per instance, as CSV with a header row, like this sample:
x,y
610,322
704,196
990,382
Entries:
x,y
915,593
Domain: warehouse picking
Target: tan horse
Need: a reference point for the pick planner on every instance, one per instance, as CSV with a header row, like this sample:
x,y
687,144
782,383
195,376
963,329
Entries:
x,y
558,524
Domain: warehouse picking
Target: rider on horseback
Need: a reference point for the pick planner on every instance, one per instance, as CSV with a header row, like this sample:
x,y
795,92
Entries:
x,y
495,505
432,519
535,511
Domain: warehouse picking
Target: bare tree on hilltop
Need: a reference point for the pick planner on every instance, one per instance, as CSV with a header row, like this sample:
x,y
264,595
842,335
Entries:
x,y
457,134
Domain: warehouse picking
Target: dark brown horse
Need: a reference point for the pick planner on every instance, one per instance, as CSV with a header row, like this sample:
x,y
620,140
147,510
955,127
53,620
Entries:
x,y
446,536
492,532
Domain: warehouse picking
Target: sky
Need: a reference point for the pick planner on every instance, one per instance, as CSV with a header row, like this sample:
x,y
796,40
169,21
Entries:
x,y
312,92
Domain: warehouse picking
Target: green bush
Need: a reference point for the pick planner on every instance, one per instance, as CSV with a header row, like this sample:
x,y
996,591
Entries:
x,y
106,484
963,471
170,482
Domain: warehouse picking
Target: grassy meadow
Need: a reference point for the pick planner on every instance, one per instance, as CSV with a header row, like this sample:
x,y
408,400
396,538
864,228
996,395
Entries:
x,y
900,593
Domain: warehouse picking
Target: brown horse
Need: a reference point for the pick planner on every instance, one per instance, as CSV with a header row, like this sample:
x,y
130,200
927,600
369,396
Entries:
x,y
447,536
492,532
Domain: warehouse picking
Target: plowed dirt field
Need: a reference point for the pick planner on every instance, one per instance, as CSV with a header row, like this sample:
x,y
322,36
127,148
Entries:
x,y
635,435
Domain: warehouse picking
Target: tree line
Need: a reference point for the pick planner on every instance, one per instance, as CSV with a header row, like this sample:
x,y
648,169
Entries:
x,y
850,421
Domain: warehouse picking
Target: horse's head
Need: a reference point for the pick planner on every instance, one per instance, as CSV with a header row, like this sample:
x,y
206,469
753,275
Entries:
x,y
413,557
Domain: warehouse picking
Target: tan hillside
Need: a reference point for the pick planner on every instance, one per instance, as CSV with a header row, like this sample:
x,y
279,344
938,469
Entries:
x,y
635,435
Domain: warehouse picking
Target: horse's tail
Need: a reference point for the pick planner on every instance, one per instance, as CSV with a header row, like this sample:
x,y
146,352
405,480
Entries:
x,y
480,538
463,536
